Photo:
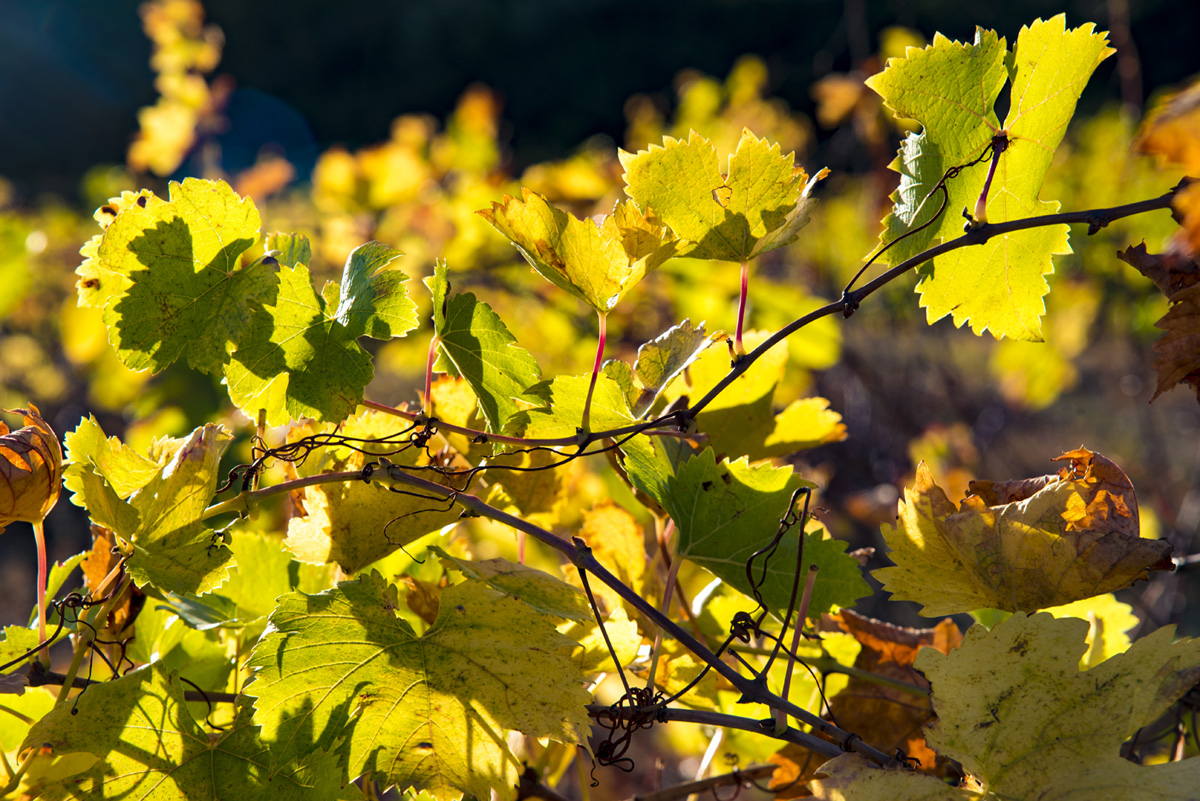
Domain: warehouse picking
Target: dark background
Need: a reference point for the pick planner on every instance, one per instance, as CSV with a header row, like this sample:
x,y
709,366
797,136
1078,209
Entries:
x,y
313,73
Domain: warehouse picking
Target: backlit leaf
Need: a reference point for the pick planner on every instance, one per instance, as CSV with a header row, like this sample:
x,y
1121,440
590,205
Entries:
x,y
951,89
172,549
425,712
886,715
476,345
759,205
154,502
596,262
542,591
30,469
354,523
1016,712
1109,624
299,356
1020,545
664,357
149,747
171,278
726,511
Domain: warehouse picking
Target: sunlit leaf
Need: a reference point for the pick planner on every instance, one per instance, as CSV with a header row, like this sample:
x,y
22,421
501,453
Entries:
x,y
353,523
664,357
30,469
951,89
538,589
423,712
299,356
155,502
760,204
172,280
149,747
1016,712
1020,545
596,262
475,344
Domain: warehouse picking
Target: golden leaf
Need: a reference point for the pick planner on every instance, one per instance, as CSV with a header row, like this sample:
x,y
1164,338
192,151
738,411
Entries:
x,y
1020,545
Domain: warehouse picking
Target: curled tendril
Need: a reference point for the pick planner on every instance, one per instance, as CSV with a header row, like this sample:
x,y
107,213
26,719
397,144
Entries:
x,y
639,708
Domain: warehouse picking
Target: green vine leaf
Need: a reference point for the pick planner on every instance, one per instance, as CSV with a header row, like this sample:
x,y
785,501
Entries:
x,y
759,205
951,89
1017,713
475,344
169,276
728,510
664,357
149,747
154,502
299,356
425,712
596,262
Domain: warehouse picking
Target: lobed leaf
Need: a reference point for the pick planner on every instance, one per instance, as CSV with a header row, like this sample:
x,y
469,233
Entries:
x,y
1021,545
759,205
727,511
597,262
300,359
169,277
476,345
664,357
425,712
951,89
146,745
1017,713
155,502
353,523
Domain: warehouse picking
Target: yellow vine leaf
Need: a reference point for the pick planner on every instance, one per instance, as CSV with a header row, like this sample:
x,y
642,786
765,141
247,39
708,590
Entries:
x,y
597,262
1020,545
1024,722
759,204
354,523
1109,622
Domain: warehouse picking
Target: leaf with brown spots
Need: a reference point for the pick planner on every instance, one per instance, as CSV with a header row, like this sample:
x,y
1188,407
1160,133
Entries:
x,y
1015,711
1020,545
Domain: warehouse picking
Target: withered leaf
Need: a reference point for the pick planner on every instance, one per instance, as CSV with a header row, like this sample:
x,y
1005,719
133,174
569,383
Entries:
x,y
1020,545
30,469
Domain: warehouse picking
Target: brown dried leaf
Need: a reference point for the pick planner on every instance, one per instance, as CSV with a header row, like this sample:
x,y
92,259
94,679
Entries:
x,y
30,469
1021,545
99,562
1170,271
423,598
887,717
796,766
1178,360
